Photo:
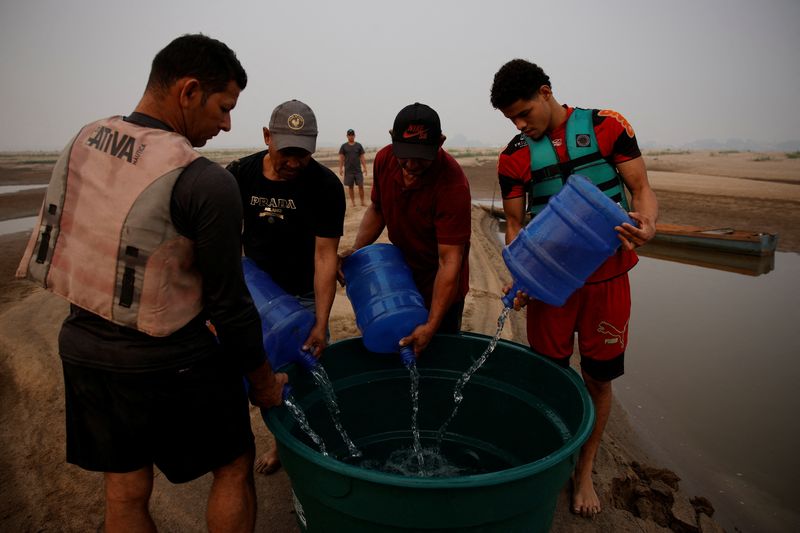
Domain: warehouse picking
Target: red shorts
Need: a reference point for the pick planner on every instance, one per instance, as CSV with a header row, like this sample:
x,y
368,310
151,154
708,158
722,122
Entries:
x,y
599,314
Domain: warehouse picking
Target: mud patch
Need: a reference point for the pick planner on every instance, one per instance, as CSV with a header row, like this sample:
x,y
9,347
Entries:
x,y
652,494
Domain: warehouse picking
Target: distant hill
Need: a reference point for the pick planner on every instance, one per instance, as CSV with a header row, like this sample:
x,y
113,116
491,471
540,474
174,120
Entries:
x,y
461,140
742,145
458,140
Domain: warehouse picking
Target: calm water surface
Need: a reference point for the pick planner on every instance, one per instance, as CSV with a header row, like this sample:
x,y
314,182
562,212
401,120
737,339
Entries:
x,y
10,189
711,378
15,225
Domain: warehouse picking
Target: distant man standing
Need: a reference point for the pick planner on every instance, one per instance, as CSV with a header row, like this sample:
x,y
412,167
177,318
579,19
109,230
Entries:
x,y
555,142
142,235
293,219
421,196
351,161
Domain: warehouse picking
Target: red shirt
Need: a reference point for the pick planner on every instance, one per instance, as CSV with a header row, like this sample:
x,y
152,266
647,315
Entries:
x,y
435,210
617,143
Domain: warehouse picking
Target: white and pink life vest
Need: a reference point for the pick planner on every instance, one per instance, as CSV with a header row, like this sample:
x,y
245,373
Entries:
x,y
105,239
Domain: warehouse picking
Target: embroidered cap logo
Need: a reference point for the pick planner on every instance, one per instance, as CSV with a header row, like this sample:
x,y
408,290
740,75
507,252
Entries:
x,y
295,122
419,131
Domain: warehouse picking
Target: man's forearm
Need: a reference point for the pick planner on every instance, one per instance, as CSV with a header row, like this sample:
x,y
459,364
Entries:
x,y
445,288
324,293
326,262
445,285
646,203
514,210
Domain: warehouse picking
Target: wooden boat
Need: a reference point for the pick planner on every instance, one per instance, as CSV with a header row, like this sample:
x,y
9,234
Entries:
x,y
727,240
720,239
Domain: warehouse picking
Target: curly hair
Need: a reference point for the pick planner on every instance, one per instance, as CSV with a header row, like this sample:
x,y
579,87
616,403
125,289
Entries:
x,y
516,80
196,55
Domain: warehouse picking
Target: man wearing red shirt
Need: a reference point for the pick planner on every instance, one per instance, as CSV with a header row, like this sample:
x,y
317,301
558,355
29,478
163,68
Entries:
x,y
557,141
421,196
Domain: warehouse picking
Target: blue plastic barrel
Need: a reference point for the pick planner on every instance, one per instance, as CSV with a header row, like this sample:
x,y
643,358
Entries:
x,y
285,324
385,299
565,243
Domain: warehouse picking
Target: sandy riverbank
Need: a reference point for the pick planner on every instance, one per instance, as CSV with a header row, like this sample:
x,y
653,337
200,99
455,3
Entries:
x,y
42,493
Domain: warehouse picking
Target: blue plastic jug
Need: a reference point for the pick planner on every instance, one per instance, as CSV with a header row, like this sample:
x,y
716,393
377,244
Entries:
x,y
385,299
285,324
565,243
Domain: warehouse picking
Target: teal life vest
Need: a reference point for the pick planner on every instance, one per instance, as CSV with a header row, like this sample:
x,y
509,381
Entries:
x,y
548,175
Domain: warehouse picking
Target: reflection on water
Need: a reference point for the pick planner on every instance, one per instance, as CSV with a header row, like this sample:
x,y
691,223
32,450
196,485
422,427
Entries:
x,y
710,378
11,189
752,265
15,225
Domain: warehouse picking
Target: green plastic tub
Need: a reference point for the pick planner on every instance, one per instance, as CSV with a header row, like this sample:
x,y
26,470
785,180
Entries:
x,y
519,430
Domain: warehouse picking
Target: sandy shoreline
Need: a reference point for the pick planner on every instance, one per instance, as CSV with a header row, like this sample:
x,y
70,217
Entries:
x,y
43,493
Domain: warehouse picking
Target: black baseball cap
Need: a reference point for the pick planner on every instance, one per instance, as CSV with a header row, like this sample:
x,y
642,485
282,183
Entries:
x,y
351,132
416,133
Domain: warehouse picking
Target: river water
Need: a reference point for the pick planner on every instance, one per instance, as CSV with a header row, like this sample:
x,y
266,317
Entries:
x,y
15,225
711,369
10,189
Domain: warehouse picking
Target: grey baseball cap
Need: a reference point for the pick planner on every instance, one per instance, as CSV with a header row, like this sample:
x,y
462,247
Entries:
x,y
293,125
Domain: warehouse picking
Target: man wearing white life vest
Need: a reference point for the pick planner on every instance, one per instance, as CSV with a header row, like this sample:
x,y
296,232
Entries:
x,y
142,235
555,142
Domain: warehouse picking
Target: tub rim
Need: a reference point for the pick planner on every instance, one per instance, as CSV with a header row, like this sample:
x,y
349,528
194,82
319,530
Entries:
x,y
285,438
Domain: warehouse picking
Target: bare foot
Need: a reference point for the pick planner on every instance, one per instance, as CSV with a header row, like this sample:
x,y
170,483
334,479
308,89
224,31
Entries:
x,y
584,498
268,463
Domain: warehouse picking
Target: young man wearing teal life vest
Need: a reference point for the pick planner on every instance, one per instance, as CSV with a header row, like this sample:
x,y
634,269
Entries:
x,y
555,142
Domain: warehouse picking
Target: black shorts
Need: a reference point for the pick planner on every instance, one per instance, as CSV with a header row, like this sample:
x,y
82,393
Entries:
x,y
607,370
187,422
351,178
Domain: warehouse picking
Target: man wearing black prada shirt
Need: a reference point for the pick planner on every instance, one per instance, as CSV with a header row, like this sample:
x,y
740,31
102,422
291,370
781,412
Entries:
x,y
293,220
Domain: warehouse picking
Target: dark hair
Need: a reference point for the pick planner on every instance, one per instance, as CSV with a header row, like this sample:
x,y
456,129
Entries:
x,y
198,56
517,80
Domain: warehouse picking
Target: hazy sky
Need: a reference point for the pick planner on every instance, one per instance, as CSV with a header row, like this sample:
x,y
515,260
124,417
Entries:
x,y
679,70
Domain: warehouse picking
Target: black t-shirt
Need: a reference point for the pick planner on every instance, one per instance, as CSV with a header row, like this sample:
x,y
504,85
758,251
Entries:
x,y
205,208
352,157
283,218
